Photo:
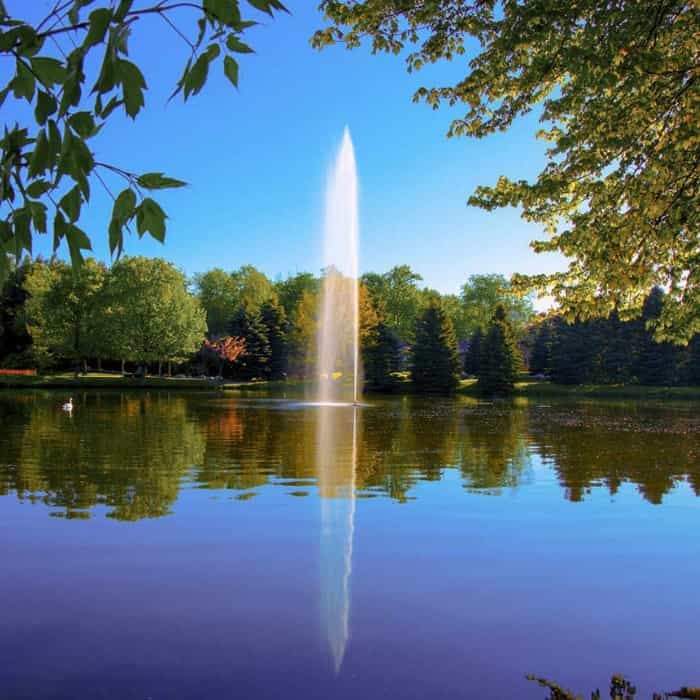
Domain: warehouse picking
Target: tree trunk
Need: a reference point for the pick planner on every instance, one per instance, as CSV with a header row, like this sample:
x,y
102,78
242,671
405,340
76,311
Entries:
x,y
123,366
160,368
170,368
99,364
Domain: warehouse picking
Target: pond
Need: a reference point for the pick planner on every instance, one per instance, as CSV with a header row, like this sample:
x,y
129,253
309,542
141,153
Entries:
x,y
157,545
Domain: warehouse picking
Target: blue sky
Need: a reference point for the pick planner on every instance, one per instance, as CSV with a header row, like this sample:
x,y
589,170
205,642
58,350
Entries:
x,y
255,160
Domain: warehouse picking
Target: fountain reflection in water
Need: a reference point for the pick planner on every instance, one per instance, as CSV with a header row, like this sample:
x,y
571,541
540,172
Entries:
x,y
337,466
338,380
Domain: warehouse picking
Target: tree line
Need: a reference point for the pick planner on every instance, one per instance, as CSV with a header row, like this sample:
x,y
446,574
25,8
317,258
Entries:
x,y
241,324
219,447
612,350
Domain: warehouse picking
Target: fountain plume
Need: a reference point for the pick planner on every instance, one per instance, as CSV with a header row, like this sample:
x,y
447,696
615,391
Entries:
x,y
339,324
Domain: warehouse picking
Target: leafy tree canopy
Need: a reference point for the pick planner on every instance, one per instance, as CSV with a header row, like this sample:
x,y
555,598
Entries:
x,y
64,309
617,87
483,293
396,298
47,165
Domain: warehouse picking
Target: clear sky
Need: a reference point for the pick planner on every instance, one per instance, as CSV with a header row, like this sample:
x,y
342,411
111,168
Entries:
x,y
256,159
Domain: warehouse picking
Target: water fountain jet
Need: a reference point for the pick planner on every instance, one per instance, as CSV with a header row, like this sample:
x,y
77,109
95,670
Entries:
x,y
339,322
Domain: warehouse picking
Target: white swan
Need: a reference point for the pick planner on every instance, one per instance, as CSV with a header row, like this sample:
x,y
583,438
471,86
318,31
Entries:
x,y
68,407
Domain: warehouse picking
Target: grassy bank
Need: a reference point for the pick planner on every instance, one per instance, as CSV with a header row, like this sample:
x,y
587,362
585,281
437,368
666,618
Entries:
x,y
103,380
527,387
532,388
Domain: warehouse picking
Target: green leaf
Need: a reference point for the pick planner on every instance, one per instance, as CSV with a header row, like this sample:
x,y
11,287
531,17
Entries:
x,y
4,93
195,78
38,161
99,21
83,123
223,10
49,70
151,218
72,92
23,82
266,5
116,237
45,107
110,107
59,229
231,70
77,241
71,204
158,181
21,219
82,156
122,9
236,45
107,77
38,210
55,144
212,52
124,206
38,187
133,84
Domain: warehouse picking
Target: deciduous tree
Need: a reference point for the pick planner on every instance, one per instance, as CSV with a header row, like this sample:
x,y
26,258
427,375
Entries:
x,y
617,90
47,163
64,309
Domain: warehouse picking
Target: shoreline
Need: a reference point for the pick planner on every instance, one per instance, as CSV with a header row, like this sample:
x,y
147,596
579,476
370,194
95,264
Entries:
x,y
526,388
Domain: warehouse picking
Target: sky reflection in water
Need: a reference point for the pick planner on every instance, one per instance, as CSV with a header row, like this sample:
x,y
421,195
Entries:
x,y
449,547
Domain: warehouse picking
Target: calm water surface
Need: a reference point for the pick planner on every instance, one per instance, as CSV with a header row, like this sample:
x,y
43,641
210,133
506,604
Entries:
x,y
166,546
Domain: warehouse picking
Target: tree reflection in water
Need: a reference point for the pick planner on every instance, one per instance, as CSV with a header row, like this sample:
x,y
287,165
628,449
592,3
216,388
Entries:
x,y
132,453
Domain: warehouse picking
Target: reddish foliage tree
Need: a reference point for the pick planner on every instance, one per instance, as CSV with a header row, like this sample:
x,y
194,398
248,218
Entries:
x,y
228,349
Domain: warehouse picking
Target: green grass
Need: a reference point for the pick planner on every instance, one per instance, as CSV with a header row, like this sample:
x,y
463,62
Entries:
x,y
526,387
529,387
102,380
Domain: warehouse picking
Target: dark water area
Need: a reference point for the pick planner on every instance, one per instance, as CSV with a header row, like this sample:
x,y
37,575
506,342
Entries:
x,y
171,546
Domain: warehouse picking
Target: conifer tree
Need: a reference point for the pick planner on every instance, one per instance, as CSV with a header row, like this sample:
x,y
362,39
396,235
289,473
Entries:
x,y
500,356
248,325
435,358
692,366
275,321
572,355
381,359
656,362
616,345
472,359
540,360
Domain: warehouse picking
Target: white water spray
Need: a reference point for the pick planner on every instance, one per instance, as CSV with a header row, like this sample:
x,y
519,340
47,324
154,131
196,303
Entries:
x,y
339,324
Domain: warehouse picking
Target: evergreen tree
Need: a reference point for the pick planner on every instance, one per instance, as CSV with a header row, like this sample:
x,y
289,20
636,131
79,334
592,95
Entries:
x,y
616,342
500,356
274,319
381,359
692,364
256,361
472,359
572,354
435,358
656,362
541,357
